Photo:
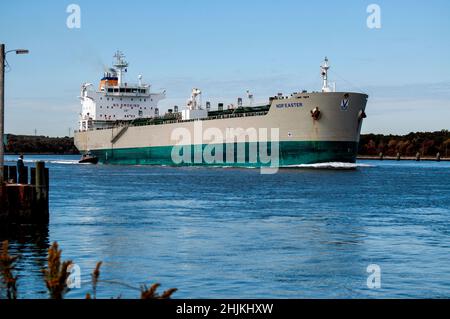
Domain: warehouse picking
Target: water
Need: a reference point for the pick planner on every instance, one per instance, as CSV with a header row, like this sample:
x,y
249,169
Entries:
x,y
233,233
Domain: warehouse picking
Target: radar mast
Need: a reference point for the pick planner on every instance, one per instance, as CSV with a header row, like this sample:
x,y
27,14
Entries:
x,y
324,72
121,65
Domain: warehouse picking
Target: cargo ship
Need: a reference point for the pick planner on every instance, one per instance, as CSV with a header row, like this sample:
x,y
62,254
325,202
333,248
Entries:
x,y
121,123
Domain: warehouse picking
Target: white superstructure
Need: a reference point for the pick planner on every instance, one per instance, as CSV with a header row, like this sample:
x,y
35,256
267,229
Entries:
x,y
116,100
194,109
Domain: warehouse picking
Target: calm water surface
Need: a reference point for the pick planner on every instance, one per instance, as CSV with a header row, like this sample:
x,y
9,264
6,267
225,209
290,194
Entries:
x,y
233,233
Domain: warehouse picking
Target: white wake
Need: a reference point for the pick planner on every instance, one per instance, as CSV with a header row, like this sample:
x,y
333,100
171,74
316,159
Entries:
x,y
331,165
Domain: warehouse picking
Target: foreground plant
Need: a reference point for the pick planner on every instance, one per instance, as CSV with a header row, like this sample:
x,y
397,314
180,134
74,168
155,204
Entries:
x,y
56,274
150,293
146,293
7,267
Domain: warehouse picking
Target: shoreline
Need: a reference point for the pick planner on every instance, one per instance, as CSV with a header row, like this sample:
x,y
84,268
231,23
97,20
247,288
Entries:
x,y
359,157
44,153
403,158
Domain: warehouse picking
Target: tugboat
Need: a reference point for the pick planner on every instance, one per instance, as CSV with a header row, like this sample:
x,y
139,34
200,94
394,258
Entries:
x,y
88,158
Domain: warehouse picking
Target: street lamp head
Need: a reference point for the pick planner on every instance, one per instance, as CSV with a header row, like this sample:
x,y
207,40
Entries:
x,y
22,51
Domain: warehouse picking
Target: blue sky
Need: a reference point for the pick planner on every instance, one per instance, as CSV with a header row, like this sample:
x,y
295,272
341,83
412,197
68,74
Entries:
x,y
227,47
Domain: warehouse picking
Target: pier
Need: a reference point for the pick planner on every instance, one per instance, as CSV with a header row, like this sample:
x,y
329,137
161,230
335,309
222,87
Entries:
x,y
24,197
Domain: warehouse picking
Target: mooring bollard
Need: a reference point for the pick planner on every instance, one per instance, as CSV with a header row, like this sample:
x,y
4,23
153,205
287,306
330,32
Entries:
x,y
381,156
418,157
438,157
398,156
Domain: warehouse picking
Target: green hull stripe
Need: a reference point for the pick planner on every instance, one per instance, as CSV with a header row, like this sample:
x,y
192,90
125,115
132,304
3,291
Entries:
x,y
290,153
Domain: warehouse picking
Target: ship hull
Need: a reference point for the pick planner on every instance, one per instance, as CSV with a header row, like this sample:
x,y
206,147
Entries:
x,y
300,138
290,154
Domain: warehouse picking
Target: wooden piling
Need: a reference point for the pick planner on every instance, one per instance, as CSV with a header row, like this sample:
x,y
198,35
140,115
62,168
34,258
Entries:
x,y
33,176
6,173
3,203
12,174
23,175
41,186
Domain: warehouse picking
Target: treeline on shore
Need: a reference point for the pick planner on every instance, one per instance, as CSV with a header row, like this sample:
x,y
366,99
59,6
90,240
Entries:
x,y
425,143
26,144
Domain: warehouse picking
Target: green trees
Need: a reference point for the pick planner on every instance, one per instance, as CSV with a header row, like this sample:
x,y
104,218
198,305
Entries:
x,y
17,144
426,143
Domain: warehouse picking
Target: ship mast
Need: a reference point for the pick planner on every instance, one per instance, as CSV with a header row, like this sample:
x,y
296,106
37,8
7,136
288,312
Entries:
x,y
324,72
192,103
121,64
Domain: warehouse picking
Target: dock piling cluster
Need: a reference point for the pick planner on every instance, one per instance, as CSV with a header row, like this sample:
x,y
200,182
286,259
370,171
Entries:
x,y
24,197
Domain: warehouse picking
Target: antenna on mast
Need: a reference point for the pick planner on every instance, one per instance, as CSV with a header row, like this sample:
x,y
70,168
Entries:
x,y
120,64
250,97
324,72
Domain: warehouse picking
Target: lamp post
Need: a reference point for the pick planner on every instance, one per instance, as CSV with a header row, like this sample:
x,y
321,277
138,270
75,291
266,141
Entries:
x,y
2,104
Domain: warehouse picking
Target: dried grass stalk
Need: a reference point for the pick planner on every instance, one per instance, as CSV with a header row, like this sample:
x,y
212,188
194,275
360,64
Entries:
x,y
7,268
56,274
150,293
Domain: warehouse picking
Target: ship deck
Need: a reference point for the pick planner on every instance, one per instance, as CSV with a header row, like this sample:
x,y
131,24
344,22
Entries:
x,y
170,118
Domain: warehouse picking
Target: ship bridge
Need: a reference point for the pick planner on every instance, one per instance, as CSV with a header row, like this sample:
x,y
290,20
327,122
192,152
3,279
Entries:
x,y
117,100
